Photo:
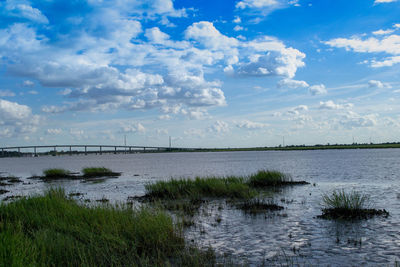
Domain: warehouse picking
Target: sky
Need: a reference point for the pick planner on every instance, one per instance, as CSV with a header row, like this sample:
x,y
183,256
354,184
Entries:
x,y
242,73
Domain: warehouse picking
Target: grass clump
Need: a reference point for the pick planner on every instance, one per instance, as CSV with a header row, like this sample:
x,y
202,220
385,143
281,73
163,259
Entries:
x,y
56,173
98,172
53,230
266,178
348,205
232,187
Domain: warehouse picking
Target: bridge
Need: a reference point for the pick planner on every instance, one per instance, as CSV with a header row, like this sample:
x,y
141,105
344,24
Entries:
x,y
18,151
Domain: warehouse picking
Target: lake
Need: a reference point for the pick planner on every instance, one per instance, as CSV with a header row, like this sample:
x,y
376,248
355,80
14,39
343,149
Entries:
x,y
293,234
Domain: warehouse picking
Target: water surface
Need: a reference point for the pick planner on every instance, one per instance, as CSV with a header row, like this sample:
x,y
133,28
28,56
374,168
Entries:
x,y
294,231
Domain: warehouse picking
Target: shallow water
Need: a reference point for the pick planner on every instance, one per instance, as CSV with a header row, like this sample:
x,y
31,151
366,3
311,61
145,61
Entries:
x,y
294,231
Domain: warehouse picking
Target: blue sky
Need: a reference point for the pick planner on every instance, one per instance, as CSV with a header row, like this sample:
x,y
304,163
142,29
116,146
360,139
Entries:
x,y
207,73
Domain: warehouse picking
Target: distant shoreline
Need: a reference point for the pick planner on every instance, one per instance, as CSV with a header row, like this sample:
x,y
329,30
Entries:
x,y
169,150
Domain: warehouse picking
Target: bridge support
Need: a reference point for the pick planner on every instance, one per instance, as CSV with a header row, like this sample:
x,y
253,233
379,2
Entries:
x,y
86,150
2,152
34,151
100,151
70,150
115,150
19,152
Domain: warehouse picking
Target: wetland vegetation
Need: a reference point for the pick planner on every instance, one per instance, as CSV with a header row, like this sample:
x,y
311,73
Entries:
x,y
88,172
54,230
348,205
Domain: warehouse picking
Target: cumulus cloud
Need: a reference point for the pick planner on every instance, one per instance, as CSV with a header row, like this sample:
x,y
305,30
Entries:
x,y
55,131
251,125
384,1
353,120
219,127
388,44
133,128
331,105
107,64
17,119
23,11
318,89
383,32
293,84
378,84
28,83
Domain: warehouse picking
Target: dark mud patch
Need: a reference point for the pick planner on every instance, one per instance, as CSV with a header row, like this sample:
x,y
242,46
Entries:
x,y
258,206
351,214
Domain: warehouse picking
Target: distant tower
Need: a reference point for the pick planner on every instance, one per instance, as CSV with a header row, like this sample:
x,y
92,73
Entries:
x,y
170,142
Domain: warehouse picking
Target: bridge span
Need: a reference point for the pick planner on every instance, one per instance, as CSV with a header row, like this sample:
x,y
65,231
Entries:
x,y
18,151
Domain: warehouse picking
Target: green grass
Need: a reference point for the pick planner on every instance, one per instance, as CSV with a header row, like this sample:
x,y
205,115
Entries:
x,y
348,205
340,199
56,173
268,178
98,172
199,187
53,230
231,187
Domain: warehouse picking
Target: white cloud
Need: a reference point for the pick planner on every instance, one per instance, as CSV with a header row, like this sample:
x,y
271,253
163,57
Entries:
x,y
387,62
33,92
54,131
384,1
256,3
237,19
293,84
317,89
268,56
238,28
383,32
133,128
378,84
17,119
24,11
28,83
6,93
389,44
331,105
250,125
219,127
206,34
353,120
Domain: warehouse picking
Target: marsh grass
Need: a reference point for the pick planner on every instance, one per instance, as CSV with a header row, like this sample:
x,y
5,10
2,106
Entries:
x,y
56,173
266,178
219,187
54,230
232,187
98,172
348,205
340,199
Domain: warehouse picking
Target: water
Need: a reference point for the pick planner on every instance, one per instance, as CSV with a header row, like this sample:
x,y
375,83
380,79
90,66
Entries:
x,y
293,232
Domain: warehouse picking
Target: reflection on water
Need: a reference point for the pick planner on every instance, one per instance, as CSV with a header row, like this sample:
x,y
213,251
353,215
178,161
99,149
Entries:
x,y
294,231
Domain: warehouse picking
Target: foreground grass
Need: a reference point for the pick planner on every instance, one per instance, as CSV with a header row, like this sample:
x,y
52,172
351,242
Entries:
x,y
53,230
348,205
231,187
